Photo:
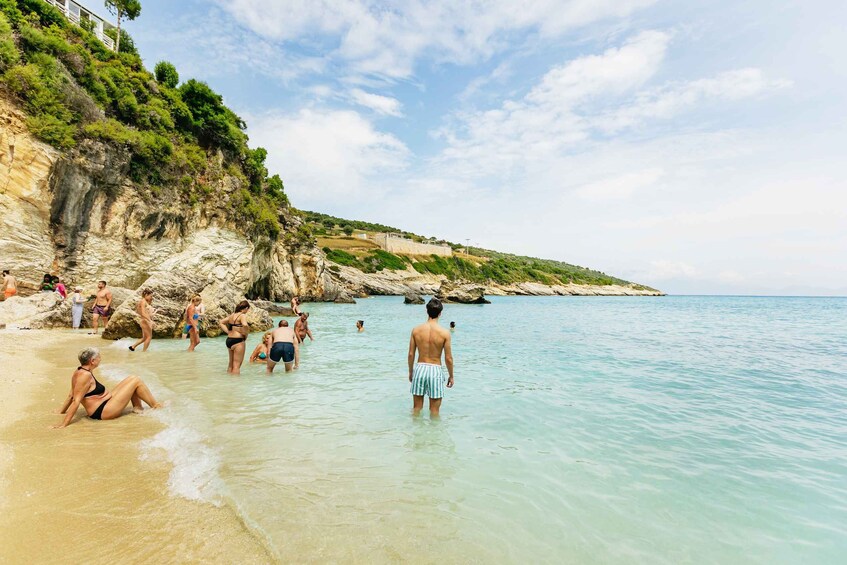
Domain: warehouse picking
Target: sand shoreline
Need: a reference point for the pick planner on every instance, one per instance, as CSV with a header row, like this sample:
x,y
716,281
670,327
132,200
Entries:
x,y
83,490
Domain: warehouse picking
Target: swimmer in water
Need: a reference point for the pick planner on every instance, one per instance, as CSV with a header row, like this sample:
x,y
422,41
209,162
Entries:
x,y
360,326
99,403
260,354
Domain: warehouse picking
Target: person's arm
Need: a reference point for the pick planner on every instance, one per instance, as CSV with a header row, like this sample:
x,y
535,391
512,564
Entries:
x,y
308,331
412,348
109,299
67,402
256,352
70,410
222,324
448,360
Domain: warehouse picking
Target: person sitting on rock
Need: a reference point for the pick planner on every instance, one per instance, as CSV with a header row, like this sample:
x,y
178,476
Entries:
x,y
99,403
59,287
47,283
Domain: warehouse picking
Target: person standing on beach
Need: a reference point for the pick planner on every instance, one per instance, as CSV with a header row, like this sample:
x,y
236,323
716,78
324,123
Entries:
x,y
284,347
10,285
76,307
426,376
102,306
301,327
192,322
145,312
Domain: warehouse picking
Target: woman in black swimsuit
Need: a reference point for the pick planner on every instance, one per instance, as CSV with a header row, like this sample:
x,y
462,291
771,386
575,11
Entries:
x,y
99,403
235,326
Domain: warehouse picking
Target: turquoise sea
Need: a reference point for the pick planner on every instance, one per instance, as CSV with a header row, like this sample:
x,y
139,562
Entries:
x,y
580,430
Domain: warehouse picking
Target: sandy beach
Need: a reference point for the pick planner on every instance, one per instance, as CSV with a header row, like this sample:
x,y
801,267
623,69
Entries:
x,y
82,492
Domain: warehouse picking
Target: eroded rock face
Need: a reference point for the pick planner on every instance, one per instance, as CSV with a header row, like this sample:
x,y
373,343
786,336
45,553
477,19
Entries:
x,y
462,294
77,214
413,299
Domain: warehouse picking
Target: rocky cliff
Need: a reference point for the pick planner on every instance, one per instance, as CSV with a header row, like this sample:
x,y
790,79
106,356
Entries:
x,y
78,214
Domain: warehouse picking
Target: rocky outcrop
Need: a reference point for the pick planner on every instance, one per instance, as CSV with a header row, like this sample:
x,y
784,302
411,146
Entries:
x,y
78,214
454,293
413,299
47,310
171,294
273,308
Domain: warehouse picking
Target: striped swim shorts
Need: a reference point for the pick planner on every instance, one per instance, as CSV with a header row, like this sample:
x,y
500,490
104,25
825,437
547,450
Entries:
x,y
428,380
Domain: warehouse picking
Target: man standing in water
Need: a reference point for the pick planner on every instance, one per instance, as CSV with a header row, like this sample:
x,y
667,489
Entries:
x,y
10,285
284,348
102,306
301,327
426,376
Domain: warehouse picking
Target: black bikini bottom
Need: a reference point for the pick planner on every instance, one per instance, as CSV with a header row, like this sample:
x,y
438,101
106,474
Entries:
x,y
98,413
230,341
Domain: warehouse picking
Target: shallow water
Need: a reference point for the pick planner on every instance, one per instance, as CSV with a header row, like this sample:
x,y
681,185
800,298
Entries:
x,y
592,430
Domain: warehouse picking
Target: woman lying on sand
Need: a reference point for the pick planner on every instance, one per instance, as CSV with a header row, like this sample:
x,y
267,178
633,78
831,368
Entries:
x,y
99,403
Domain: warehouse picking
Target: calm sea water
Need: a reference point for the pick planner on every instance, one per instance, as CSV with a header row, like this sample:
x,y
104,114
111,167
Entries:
x,y
584,430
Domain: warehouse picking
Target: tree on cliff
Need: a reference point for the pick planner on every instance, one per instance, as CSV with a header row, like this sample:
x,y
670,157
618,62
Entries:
x,y
129,9
166,74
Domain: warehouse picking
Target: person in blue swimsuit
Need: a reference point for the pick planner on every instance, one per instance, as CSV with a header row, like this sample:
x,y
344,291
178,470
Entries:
x,y
260,354
99,403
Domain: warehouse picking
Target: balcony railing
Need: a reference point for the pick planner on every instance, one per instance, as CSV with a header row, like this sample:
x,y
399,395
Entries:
x,y
74,18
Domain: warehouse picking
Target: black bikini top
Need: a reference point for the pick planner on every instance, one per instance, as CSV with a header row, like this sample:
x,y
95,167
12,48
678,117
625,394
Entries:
x,y
98,388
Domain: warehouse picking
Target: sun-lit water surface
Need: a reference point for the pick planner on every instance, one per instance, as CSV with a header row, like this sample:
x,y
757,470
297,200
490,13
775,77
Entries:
x,y
591,430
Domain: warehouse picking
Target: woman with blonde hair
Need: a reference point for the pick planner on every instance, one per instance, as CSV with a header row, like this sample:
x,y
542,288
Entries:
x,y
192,322
260,354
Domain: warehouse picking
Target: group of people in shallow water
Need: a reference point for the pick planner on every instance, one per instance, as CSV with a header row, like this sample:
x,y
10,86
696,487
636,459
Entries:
x,y
428,343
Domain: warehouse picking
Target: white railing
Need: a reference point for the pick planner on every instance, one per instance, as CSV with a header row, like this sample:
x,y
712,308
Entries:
x,y
74,18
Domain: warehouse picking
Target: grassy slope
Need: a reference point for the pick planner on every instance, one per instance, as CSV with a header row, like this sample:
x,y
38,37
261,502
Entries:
x,y
481,266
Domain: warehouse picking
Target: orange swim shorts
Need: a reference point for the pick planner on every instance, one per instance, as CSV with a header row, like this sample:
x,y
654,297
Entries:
x,y
10,292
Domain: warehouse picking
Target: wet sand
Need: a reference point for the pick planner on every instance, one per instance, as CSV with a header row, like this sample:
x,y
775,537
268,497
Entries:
x,y
82,493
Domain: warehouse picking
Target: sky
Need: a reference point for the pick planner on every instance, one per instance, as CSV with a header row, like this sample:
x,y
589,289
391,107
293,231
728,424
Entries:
x,y
695,146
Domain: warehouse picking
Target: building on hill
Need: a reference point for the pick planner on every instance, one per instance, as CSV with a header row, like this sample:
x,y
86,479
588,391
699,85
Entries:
x,y
396,243
85,17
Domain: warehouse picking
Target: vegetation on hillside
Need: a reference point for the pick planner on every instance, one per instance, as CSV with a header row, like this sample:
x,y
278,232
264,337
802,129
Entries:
x,y
181,138
478,265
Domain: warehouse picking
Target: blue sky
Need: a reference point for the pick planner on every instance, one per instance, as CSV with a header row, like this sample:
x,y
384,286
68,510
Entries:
x,y
694,146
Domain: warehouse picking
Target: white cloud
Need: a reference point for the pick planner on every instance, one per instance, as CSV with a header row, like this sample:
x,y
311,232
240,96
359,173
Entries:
x,y
669,100
387,38
381,104
664,269
325,154
619,187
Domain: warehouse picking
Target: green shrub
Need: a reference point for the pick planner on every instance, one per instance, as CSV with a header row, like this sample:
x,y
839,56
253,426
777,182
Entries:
x,y
343,258
8,54
127,43
52,130
166,74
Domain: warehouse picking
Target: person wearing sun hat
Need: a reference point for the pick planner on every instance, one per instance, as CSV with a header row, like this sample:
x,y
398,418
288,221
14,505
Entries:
x,y
76,306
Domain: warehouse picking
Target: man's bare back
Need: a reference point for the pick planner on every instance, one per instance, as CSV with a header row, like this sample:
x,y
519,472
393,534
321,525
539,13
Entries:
x,y
430,339
426,376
